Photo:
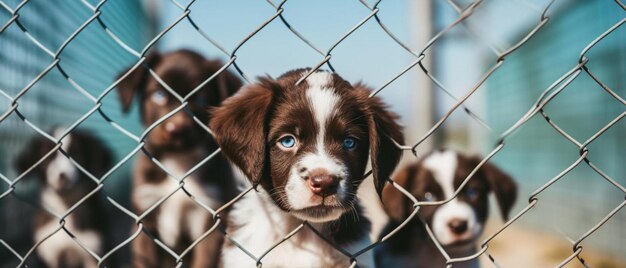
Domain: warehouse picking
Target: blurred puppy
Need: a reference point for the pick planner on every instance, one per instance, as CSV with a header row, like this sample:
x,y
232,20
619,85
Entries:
x,y
307,146
179,144
456,224
64,185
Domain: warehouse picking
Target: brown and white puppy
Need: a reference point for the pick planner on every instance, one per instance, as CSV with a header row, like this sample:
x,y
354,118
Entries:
x,y
456,224
64,185
179,144
307,147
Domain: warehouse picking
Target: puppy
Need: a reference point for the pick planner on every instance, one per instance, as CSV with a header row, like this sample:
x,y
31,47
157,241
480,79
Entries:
x,y
307,148
64,185
457,224
179,144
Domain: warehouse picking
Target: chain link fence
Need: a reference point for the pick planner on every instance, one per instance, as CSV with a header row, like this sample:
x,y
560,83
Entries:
x,y
56,55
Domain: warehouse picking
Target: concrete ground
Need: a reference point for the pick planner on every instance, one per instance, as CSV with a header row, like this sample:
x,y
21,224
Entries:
x,y
537,249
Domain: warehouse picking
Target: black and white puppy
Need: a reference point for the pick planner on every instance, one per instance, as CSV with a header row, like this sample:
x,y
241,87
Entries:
x,y
63,185
307,147
457,224
179,144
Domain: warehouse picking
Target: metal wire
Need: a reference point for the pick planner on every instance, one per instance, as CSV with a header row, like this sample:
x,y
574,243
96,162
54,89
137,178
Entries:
x,y
281,14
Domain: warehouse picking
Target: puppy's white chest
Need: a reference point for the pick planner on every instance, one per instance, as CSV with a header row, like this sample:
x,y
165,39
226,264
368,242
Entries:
x,y
301,250
60,242
262,226
178,212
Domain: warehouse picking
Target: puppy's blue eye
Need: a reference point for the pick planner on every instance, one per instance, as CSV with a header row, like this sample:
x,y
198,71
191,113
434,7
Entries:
x,y
471,193
288,141
349,143
159,97
428,196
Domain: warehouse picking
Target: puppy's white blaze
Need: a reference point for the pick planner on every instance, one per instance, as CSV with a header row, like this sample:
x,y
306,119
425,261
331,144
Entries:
x,y
442,165
319,79
455,209
60,164
323,102
66,140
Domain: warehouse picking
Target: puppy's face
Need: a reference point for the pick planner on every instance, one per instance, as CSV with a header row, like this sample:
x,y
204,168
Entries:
x,y
437,177
318,148
57,171
61,174
183,71
313,139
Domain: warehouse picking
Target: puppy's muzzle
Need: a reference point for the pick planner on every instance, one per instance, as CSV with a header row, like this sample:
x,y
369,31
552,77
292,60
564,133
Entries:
x,y
457,226
322,183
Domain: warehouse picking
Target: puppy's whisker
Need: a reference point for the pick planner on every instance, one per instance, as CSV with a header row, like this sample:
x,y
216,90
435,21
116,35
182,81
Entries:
x,y
354,211
356,118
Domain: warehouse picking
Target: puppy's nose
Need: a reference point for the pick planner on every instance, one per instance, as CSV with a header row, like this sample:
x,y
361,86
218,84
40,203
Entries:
x,y
323,184
177,123
171,127
62,181
63,178
458,226
175,129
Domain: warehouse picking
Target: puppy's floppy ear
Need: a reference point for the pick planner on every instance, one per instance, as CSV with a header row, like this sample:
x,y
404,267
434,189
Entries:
x,y
95,155
34,150
226,82
135,82
503,186
101,158
239,127
396,205
383,131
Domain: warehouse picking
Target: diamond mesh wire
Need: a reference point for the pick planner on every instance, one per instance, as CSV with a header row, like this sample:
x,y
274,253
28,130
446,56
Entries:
x,y
537,109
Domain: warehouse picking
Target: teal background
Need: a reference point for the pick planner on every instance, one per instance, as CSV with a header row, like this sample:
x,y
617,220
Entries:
x,y
536,152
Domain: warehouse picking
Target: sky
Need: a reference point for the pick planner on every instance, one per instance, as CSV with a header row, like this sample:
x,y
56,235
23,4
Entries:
x,y
368,55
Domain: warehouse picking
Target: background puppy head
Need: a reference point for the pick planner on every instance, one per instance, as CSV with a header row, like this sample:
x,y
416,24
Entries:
x,y
56,171
308,145
183,71
436,177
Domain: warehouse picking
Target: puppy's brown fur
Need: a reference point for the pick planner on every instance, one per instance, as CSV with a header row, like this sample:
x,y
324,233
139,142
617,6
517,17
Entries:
x,y
411,246
249,128
180,143
87,221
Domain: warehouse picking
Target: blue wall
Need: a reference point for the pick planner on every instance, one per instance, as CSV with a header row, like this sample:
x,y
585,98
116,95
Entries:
x,y
536,153
93,61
